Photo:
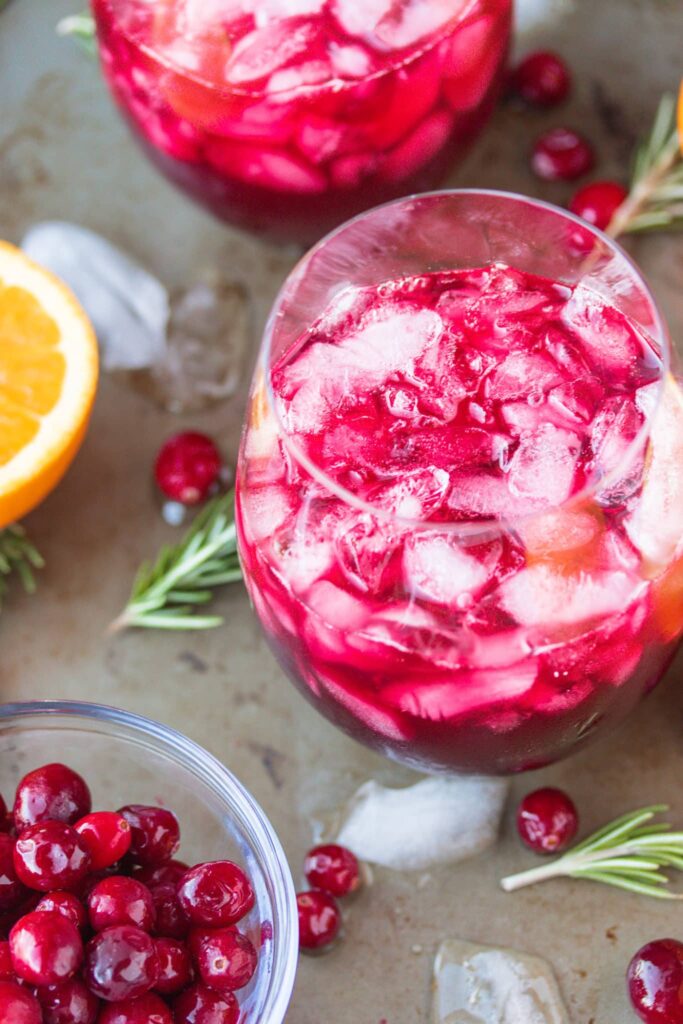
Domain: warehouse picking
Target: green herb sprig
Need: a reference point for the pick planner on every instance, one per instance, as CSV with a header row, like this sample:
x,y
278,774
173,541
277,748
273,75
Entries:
x,y
80,27
168,593
18,557
629,853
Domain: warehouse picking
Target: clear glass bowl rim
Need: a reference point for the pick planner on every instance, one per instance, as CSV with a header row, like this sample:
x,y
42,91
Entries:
x,y
476,527
212,773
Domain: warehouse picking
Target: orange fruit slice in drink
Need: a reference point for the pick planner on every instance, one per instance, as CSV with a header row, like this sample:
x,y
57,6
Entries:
x,y
48,378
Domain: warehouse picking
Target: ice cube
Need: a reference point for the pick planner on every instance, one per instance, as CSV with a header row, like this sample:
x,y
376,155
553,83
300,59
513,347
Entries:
x,y
486,985
299,76
350,61
542,595
473,57
465,692
437,569
522,374
271,168
551,534
542,469
370,712
484,495
358,19
393,25
422,145
612,433
656,524
265,510
605,335
365,548
303,557
335,607
416,495
440,820
269,48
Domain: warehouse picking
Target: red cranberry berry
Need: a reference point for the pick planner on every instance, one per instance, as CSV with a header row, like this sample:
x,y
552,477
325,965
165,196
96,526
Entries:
x,y
226,960
201,1005
187,468
597,203
12,891
175,967
46,948
121,900
215,894
147,1009
6,969
70,1003
655,982
562,155
18,1005
547,820
155,834
319,919
121,963
333,869
107,836
542,79
51,855
171,921
160,874
51,793
64,903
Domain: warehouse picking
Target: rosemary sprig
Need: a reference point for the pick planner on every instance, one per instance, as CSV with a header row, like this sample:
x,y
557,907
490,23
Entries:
x,y
168,592
655,200
629,853
19,557
80,27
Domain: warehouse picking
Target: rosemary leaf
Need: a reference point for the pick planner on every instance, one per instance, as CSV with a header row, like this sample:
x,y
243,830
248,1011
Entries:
x,y
18,557
81,28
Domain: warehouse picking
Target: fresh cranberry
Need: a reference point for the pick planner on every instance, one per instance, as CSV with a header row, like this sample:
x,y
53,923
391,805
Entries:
x,y
155,833
655,982
319,919
187,468
160,874
12,891
175,967
547,820
226,960
120,900
171,921
216,893
201,1005
51,793
51,855
147,1009
542,79
333,869
562,155
121,963
70,1003
107,836
17,1005
597,203
64,903
6,969
46,948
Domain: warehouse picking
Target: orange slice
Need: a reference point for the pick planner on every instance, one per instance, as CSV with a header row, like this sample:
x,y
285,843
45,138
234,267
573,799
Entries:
x,y
48,378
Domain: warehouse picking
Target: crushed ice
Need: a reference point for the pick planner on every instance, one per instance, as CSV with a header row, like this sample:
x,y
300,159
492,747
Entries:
x,y
438,820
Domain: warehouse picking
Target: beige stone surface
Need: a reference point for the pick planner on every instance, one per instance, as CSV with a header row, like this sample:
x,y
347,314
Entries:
x,y
64,153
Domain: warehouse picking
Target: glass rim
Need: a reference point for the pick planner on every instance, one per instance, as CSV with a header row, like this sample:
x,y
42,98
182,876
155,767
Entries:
x,y
474,527
469,6
213,773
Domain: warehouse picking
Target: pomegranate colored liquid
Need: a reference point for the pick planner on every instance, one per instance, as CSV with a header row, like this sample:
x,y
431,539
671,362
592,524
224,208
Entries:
x,y
460,537
288,116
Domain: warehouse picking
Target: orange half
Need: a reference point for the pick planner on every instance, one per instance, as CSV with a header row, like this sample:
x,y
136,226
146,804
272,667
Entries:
x,y
48,379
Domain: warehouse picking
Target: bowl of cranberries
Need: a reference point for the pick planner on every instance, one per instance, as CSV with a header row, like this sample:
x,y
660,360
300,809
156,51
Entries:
x,y
139,881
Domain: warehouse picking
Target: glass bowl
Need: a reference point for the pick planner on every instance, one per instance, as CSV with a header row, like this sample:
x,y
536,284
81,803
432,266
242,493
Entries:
x,y
129,759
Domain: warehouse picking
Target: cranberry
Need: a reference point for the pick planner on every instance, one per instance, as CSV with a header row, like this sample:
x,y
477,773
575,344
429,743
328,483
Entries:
x,y
155,833
319,919
6,969
121,900
160,874
12,891
51,793
64,903
542,79
147,1009
655,982
187,468
175,967
171,921
51,855
46,948
217,893
201,1005
562,155
226,960
70,1003
107,836
333,869
547,820
121,963
597,203
18,1005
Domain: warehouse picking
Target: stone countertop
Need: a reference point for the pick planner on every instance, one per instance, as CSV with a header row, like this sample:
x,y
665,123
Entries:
x,y
65,154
